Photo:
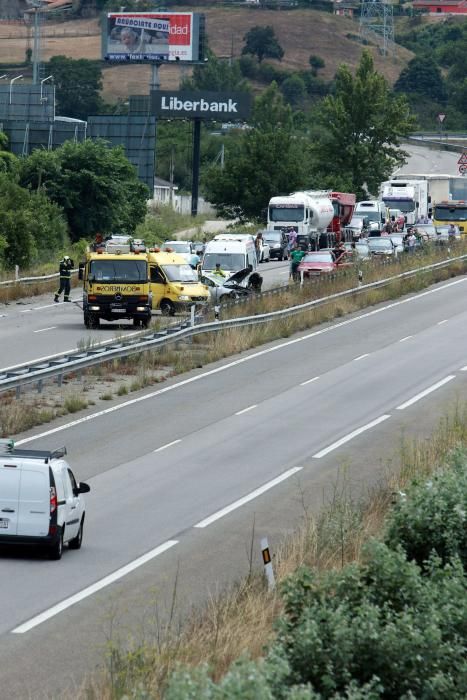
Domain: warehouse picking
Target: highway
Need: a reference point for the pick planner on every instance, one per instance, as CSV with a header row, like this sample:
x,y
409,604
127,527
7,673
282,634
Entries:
x,y
36,327
244,439
182,473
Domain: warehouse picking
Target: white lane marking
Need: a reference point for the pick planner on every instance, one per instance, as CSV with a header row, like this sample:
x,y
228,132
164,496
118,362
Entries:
x,y
361,357
227,366
424,393
46,306
41,330
246,499
284,273
169,444
25,311
440,323
245,410
308,381
407,337
64,352
93,588
350,436
464,369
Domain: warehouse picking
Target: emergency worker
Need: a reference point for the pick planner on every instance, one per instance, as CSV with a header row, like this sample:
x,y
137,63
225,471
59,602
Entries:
x,y
65,268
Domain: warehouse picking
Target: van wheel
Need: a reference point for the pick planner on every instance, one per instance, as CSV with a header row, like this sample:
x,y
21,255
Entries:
x,y
56,549
167,308
76,542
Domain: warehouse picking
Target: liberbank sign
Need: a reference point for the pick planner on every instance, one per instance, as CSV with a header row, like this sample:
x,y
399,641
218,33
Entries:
x,y
218,106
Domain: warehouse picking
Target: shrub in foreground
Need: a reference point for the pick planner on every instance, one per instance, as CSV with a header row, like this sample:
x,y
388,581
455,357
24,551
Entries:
x,y
432,516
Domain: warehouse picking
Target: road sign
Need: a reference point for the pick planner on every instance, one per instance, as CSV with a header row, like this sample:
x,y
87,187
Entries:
x,y
441,118
463,169
462,160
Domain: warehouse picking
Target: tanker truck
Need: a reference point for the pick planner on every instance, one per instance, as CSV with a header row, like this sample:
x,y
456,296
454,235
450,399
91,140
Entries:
x,y
308,213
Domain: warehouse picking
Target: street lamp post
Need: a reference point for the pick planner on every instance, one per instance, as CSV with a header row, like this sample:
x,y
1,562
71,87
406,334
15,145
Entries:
x,y
49,77
18,77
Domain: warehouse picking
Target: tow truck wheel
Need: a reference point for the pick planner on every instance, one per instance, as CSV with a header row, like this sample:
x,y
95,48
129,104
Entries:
x,y
167,308
87,321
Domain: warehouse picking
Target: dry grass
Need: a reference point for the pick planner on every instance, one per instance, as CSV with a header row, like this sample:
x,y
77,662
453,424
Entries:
x,y
226,26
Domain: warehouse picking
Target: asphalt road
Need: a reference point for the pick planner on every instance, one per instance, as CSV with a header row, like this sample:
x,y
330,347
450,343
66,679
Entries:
x,y
180,473
36,327
425,160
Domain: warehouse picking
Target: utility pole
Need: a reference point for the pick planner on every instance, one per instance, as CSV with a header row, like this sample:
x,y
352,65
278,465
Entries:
x,y
36,52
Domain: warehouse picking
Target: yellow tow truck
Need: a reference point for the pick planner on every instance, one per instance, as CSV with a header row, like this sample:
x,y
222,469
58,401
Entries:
x,y
116,286
174,284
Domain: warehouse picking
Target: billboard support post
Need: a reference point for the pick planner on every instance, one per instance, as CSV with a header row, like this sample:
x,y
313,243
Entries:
x,y
196,161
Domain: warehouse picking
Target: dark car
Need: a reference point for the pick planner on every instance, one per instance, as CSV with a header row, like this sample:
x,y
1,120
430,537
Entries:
x,y
278,244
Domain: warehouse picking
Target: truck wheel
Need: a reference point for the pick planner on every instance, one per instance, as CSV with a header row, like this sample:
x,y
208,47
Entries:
x,y
56,549
77,541
87,321
167,308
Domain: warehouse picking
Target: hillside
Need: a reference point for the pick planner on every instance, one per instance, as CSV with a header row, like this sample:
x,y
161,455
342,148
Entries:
x,y
300,33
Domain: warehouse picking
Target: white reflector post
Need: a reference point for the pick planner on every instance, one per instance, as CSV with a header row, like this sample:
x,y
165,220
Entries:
x,y
268,570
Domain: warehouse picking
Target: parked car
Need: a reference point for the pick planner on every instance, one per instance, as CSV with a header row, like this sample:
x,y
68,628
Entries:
x,y
320,262
183,248
398,241
442,234
382,247
278,243
225,289
138,245
41,503
428,231
358,250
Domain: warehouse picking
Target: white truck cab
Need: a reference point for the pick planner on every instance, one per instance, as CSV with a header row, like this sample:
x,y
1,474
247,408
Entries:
x,y
40,501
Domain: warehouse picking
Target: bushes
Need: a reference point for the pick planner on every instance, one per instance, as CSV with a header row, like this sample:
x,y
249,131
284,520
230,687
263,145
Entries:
x,y
392,627
434,516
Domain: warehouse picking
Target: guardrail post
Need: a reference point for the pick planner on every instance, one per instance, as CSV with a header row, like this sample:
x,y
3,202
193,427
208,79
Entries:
x,y
59,379
302,277
360,278
16,273
18,392
40,386
192,315
217,310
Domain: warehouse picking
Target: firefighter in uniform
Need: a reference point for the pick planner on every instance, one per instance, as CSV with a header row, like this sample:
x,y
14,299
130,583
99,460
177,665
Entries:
x,y
66,266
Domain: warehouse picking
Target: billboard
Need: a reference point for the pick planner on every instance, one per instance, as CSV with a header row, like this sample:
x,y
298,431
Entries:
x,y
218,106
151,36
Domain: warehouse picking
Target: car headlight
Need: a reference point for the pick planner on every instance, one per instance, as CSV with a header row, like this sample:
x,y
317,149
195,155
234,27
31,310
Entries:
x,y
184,297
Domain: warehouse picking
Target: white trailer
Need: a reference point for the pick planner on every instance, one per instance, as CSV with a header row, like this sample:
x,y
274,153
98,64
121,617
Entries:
x,y
309,213
441,188
410,196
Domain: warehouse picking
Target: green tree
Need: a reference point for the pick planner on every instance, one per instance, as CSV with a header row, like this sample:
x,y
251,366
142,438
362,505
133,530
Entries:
x,y
8,161
361,124
267,160
262,42
217,75
31,227
422,76
294,89
96,186
78,84
316,62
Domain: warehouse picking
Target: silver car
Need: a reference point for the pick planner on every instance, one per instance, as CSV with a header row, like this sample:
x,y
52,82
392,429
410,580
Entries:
x,y
223,289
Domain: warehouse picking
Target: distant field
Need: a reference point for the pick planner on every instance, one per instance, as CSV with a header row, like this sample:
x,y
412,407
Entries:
x,y
300,33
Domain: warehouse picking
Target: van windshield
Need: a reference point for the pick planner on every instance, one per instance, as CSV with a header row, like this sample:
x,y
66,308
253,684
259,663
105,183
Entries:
x,y
180,273
228,261
371,215
118,271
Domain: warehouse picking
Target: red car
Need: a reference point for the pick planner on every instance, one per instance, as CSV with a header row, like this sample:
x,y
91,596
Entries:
x,y
321,262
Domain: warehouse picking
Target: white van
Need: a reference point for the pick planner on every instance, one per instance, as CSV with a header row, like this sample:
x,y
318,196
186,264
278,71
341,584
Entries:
x,y
232,251
374,211
40,501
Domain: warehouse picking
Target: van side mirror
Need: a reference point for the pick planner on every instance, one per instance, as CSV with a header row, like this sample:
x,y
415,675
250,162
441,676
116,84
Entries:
x,y
81,271
82,488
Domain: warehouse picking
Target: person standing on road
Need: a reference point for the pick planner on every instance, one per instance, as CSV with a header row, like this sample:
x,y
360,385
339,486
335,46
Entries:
x,y
296,257
452,232
65,268
258,246
411,241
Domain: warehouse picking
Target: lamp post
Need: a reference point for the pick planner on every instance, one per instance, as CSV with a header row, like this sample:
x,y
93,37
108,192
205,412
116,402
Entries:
x,y
42,83
18,77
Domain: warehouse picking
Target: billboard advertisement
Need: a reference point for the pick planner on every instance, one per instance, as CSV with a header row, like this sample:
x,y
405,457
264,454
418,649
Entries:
x,y
151,36
219,106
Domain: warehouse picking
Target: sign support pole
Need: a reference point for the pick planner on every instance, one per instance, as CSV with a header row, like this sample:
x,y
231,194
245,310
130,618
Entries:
x,y
196,162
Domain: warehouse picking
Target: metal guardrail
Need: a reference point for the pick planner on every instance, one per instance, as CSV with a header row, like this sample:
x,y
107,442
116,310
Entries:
x,y
31,280
76,361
